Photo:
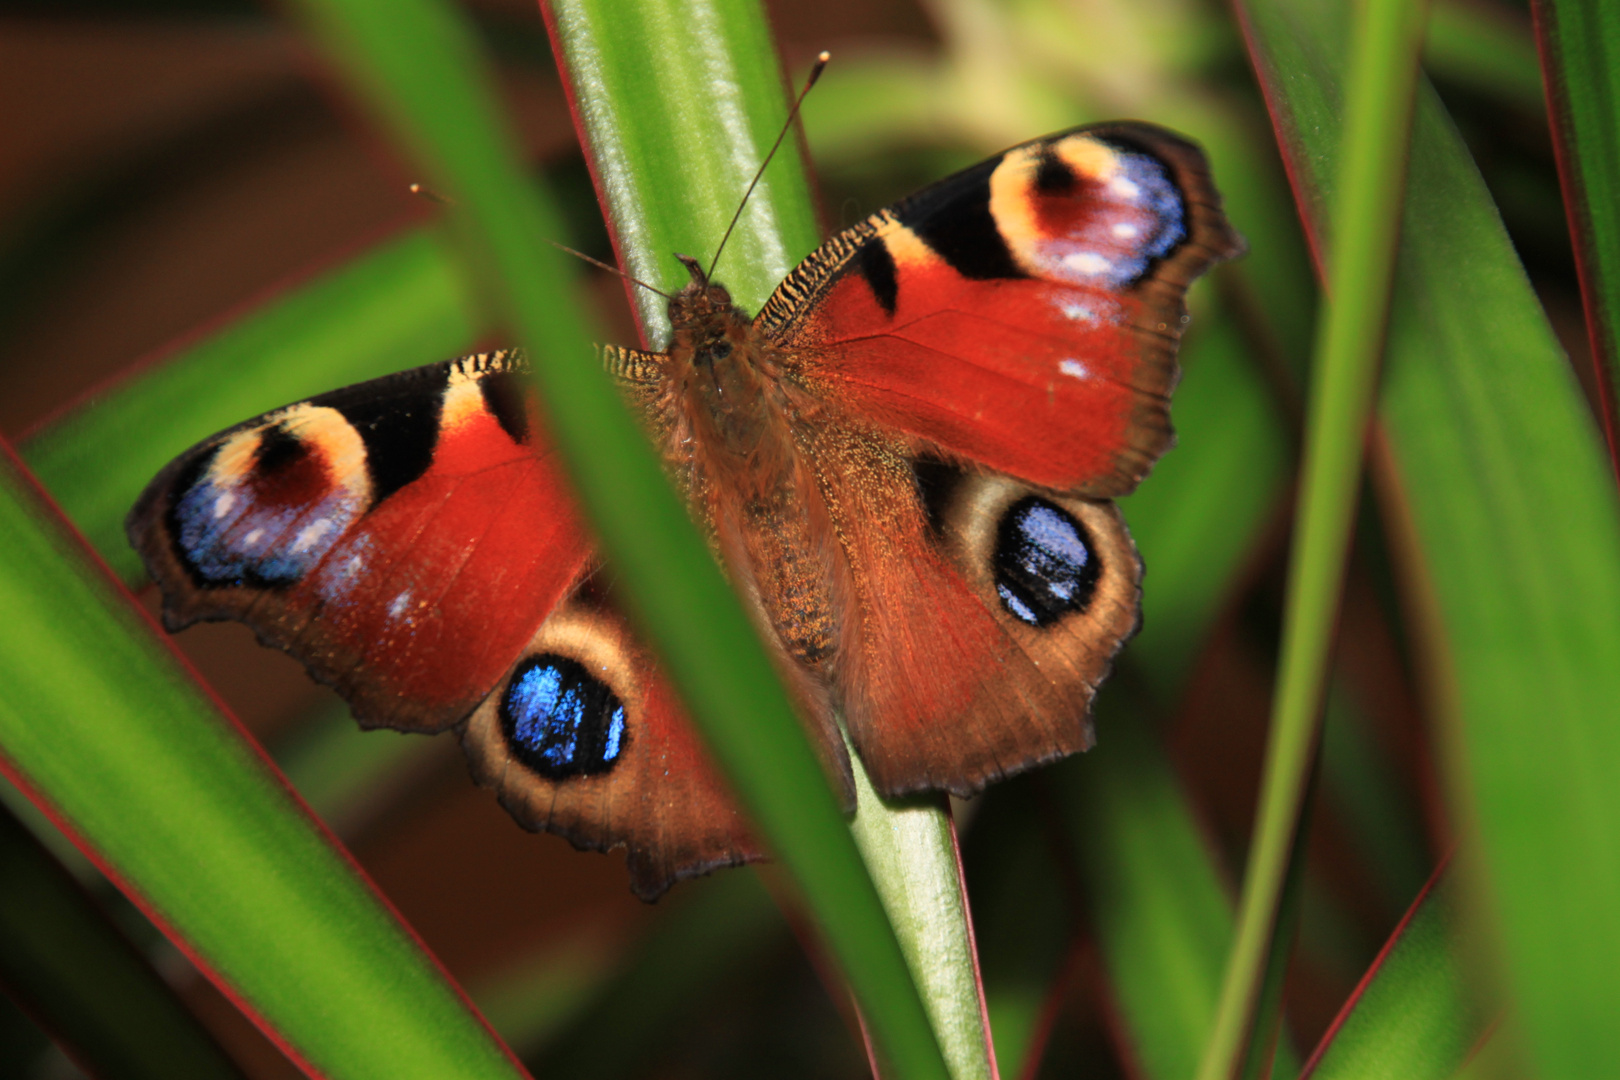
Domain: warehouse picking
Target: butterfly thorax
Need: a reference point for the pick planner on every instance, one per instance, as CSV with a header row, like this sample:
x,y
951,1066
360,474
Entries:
x,y
728,393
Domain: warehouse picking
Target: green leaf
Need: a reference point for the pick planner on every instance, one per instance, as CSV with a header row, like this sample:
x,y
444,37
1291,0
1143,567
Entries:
x,y
340,771
1366,216
82,980
1198,516
1581,45
418,64
1164,920
677,102
397,306
909,848
1511,535
103,725
1414,1015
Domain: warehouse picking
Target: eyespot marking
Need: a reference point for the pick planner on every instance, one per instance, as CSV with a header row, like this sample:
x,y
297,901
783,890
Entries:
x,y
1046,566
398,431
560,720
1087,210
266,504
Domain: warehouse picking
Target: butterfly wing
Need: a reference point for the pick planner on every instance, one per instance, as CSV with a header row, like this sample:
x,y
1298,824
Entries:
x,y
401,537
980,614
992,358
582,738
412,540
1022,315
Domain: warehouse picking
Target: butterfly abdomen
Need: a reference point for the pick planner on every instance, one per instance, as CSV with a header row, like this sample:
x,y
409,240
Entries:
x,y
733,429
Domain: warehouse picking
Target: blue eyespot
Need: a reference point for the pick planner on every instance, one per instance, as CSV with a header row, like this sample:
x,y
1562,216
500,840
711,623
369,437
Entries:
x,y
1045,566
560,720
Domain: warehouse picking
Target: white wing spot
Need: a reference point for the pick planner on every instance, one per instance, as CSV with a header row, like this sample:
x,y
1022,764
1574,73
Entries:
x,y
253,537
1074,309
401,602
310,535
1125,189
1087,262
223,504
1075,369
1126,231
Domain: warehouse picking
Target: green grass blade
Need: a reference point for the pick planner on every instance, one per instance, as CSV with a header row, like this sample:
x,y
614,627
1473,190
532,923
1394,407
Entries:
x,y
677,102
1516,536
82,980
1378,108
102,725
1413,1015
418,64
1198,516
342,772
910,850
397,306
1580,51
1163,918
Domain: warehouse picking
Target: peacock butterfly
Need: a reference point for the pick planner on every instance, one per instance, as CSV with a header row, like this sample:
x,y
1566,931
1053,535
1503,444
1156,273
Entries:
x,y
904,462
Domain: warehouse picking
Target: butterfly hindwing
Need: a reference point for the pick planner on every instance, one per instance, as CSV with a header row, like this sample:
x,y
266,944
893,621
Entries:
x,y
1021,315
583,738
981,616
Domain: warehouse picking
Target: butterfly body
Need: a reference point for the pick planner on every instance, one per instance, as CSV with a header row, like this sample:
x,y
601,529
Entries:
x,y
903,462
728,414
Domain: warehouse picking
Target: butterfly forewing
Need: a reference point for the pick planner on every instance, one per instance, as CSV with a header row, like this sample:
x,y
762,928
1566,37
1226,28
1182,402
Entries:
x,y
402,538
1021,315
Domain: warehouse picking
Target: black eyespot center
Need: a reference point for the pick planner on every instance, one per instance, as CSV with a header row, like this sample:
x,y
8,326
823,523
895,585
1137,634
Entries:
x,y
560,720
277,449
1045,564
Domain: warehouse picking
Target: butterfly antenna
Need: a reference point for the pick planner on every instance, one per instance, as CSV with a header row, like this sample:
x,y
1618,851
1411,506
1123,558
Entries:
x,y
810,80
433,196
430,195
610,268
